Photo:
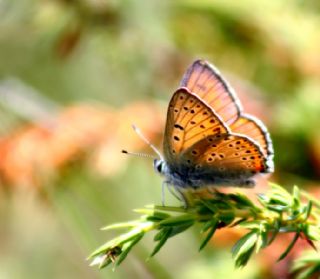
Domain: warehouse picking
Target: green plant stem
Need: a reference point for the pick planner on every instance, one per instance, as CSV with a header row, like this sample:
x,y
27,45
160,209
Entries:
x,y
278,212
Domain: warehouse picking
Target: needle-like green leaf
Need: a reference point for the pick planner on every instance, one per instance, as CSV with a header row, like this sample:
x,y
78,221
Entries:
x,y
209,235
289,248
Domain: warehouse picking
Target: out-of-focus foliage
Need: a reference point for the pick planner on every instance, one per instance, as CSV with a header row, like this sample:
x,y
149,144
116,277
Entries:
x,y
74,76
308,265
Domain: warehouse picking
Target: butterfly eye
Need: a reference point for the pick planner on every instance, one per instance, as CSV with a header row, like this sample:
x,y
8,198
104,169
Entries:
x,y
158,164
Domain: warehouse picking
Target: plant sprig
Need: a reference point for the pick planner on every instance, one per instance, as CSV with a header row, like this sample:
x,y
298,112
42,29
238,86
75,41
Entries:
x,y
278,211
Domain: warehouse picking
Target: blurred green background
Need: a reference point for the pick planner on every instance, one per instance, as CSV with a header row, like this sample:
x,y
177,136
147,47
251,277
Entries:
x,y
106,56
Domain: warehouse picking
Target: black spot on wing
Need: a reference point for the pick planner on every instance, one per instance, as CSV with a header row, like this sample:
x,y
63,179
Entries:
x,y
178,127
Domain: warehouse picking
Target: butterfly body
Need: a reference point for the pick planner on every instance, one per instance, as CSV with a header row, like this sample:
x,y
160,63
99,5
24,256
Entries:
x,y
208,140
184,177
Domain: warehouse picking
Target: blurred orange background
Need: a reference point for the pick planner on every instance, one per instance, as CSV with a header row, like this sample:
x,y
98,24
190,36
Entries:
x,y
74,77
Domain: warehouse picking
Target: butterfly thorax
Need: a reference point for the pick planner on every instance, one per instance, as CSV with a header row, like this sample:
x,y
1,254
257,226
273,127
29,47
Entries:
x,y
180,176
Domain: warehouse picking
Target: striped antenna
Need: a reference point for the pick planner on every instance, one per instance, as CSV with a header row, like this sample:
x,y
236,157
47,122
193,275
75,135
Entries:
x,y
138,154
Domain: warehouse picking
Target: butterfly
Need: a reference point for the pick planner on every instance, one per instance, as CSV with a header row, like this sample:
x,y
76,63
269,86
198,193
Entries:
x,y
208,140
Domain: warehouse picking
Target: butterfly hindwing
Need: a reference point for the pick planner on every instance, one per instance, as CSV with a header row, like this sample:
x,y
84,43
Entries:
x,y
231,156
256,130
204,80
189,120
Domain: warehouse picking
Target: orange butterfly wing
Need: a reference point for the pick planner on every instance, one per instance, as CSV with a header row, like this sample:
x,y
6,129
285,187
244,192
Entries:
x,y
204,80
189,120
230,157
255,129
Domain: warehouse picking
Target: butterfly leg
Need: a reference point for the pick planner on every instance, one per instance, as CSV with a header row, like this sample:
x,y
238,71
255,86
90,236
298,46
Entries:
x,y
164,184
181,197
174,191
169,187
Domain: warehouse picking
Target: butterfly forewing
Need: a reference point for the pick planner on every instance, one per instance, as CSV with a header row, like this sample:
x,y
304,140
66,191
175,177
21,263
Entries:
x,y
229,156
254,129
206,82
189,120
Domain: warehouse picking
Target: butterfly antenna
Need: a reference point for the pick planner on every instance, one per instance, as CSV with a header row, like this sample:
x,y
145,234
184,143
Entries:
x,y
139,133
138,154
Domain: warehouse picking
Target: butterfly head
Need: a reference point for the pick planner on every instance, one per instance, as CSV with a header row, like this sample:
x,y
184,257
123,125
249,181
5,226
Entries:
x,y
160,166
